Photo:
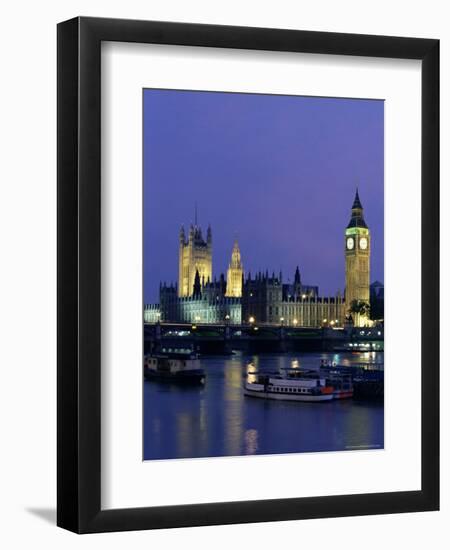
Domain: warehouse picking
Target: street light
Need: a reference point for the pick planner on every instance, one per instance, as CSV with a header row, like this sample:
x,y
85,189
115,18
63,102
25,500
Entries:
x,y
251,320
295,321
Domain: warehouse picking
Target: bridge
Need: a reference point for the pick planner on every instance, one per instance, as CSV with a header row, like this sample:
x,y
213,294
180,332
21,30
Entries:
x,y
222,338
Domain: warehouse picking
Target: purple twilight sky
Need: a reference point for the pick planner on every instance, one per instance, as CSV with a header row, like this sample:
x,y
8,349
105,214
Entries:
x,y
278,172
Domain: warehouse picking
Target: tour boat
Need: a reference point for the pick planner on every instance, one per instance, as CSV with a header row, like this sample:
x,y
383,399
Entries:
x,y
341,382
178,366
288,388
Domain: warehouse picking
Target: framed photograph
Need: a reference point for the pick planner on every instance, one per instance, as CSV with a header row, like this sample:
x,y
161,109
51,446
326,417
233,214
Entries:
x,y
248,275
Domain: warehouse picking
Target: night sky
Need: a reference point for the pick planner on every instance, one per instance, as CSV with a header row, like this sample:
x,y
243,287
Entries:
x,y
278,172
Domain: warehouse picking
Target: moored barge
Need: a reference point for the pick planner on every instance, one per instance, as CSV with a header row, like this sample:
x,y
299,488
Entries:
x,y
178,366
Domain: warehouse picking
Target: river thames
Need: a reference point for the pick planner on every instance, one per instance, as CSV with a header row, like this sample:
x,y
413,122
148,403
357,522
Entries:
x,y
216,419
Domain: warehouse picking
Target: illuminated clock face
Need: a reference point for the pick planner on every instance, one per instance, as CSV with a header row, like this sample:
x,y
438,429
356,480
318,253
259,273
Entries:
x,y
350,243
363,243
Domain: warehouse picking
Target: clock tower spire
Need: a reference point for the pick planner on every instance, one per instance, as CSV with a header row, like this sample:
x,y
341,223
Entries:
x,y
357,262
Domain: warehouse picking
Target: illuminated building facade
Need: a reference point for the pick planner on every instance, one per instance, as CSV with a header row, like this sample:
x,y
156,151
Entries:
x,y
267,300
208,304
357,261
235,273
195,255
263,299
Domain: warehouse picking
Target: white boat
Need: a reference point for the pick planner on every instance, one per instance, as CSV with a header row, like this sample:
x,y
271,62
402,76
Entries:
x,y
338,379
272,386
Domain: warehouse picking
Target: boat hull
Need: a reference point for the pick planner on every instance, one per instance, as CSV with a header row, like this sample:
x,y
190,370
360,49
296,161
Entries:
x,y
287,396
188,377
343,394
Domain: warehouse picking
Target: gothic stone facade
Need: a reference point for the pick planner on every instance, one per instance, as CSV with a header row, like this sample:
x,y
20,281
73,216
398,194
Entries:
x,y
207,305
263,298
235,273
268,300
195,255
357,261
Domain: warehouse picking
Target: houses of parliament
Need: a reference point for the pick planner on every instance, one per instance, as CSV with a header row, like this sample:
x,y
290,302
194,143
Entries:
x,y
262,298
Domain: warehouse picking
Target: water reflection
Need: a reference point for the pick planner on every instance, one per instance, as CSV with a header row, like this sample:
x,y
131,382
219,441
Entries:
x,y
233,404
251,442
217,420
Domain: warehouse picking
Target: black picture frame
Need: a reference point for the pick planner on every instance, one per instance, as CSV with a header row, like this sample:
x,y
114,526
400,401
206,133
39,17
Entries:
x,y
79,280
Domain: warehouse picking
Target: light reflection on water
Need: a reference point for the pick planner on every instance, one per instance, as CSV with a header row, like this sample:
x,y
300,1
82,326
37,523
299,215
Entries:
x,y
218,420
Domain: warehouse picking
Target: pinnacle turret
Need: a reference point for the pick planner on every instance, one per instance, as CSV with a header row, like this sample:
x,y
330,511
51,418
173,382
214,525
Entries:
x,y
357,202
357,218
235,273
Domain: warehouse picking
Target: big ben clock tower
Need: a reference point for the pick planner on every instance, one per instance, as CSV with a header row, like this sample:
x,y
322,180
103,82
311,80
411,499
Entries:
x,y
357,260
